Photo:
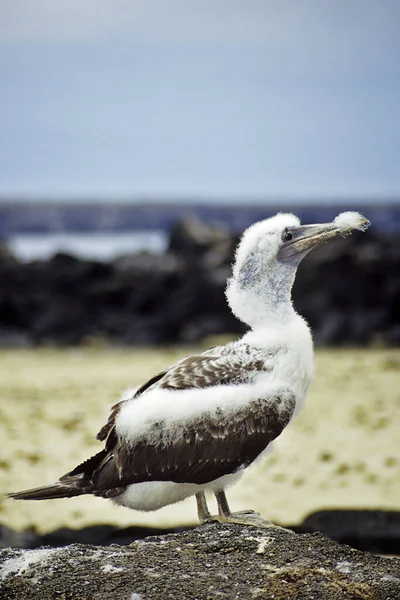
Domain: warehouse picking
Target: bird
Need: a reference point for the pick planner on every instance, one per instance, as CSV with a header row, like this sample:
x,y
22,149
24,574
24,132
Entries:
x,y
199,424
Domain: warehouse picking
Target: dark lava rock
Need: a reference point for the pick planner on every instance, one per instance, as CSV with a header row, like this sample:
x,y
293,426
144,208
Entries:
x,y
348,291
196,238
96,535
377,531
371,530
213,561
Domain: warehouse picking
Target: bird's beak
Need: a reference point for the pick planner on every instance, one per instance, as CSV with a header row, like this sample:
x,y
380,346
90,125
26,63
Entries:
x,y
307,237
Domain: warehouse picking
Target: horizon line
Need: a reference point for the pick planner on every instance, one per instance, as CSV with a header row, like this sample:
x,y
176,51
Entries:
x,y
142,199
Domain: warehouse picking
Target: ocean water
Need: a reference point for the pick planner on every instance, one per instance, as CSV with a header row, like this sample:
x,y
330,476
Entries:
x,y
106,231
102,246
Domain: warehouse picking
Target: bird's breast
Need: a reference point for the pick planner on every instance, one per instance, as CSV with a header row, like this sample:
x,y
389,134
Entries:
x,y
293,370
289,360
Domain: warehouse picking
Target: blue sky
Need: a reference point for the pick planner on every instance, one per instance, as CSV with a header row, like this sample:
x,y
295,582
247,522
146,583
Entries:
x,y
193,98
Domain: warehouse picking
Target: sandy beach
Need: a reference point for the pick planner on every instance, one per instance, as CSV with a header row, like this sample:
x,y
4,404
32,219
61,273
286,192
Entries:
x,y
342,450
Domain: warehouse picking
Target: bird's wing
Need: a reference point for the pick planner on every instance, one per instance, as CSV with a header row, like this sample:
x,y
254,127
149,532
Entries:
x,y
214,368
106,429
217,365
209,446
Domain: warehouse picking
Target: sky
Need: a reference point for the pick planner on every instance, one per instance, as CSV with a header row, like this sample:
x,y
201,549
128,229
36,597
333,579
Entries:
x,y
199,98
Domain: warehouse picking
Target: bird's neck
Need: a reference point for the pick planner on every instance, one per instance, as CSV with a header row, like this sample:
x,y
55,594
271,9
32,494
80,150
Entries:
x,y
275,301
267,301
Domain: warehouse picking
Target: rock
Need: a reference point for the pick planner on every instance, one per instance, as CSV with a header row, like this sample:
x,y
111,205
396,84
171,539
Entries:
x,y
9,538
213,561
195,238
96,535
348,291
377,531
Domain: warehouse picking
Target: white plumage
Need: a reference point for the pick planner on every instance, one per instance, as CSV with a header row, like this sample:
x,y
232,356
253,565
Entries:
x,y
277,326
289,371
347,221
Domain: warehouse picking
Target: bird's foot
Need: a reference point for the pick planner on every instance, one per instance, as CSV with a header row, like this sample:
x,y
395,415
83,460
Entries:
x,y
248,517
211,519
248,512
244,517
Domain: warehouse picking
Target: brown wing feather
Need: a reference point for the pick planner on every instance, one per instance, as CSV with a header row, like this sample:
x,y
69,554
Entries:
x,y
205,370
197,371
207,450
105,430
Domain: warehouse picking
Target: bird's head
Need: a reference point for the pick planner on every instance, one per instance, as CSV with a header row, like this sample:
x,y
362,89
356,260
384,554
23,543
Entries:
x,y
267,258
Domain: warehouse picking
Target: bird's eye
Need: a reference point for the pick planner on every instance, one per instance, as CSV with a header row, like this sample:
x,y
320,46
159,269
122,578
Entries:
x,y
287,236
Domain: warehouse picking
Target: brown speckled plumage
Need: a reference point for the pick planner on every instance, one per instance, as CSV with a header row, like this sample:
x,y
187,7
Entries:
x,y
233,363
211,446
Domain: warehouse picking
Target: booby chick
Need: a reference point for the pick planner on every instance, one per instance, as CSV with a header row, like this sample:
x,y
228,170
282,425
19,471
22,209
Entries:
x,y
198,425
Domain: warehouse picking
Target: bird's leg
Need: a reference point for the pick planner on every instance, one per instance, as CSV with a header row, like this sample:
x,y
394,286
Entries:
x,y
223,506
224,510
202,508
244,517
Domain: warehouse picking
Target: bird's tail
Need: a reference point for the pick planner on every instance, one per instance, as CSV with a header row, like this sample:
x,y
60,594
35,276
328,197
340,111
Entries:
x,y
75,483
61,489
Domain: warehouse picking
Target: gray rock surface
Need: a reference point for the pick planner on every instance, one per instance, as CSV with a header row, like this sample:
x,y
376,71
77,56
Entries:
x,y
213,561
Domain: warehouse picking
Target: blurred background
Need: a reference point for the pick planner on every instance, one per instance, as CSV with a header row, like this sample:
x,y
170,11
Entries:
x,y
138,140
